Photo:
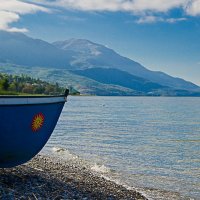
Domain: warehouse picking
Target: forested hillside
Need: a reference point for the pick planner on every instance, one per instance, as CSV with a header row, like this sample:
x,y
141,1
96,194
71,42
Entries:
x,y
12,84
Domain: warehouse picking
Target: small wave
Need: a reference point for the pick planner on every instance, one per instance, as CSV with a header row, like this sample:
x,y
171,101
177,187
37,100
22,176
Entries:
x,y
100,169
114,176
58,149
64,153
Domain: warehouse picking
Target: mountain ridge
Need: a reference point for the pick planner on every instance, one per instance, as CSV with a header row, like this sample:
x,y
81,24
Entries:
x,y
79,54
111,59
17,48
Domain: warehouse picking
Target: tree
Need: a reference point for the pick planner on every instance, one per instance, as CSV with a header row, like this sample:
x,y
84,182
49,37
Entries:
x,y
29,89
13,87
4,84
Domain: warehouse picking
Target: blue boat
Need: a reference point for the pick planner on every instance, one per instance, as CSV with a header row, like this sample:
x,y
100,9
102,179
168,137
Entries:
x,y
26,123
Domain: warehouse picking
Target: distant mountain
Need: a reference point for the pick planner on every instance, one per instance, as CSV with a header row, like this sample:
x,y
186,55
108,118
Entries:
x,y
124,79
20,49
92,55
117,77
79,54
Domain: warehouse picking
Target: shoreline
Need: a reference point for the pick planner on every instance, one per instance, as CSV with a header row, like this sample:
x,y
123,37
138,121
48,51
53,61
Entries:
x,y
45,177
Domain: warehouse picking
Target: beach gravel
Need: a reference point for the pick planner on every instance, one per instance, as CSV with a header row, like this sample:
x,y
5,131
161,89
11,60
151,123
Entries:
x,y
49,178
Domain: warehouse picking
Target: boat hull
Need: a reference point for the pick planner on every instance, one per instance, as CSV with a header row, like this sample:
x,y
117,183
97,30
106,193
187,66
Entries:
x,y
25,128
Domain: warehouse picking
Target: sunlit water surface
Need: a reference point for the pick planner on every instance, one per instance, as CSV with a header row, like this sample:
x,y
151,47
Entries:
x,y
150,142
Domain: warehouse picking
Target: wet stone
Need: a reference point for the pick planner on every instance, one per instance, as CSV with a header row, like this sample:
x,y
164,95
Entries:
x,y
47,178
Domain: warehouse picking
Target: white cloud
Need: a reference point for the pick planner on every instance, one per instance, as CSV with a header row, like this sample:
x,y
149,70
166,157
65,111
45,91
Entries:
x,y
153,19
137,7
20,7
174,20
11,11
149,19
148,11
116,5
156,5
193,8
6,18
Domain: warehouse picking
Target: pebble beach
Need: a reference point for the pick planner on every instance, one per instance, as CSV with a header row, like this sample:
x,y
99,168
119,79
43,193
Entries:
x,y
50,178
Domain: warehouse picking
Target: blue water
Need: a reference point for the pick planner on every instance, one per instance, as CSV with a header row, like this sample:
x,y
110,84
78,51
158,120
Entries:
x,y
151,142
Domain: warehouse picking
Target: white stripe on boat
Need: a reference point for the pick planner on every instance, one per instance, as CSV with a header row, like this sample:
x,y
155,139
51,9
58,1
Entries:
x,y
30,100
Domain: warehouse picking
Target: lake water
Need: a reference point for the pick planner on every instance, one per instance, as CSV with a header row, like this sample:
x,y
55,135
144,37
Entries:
x,y
150,143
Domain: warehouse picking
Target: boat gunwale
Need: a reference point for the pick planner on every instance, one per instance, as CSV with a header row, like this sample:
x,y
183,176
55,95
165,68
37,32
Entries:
x,y
31,101
29,96
31,104
8,100
36,96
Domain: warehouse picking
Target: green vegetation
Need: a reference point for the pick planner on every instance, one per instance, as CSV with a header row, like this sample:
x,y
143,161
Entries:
x,y
88,86
13,84
75,83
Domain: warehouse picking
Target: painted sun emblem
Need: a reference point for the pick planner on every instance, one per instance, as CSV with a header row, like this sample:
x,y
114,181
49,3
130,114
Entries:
x,y
37,122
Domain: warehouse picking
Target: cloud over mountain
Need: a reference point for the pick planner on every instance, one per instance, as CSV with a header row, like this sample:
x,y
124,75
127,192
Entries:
x,y
146,11
140,7
11,10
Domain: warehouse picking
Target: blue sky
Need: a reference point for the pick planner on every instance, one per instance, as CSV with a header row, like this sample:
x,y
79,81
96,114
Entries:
x,y
162,35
